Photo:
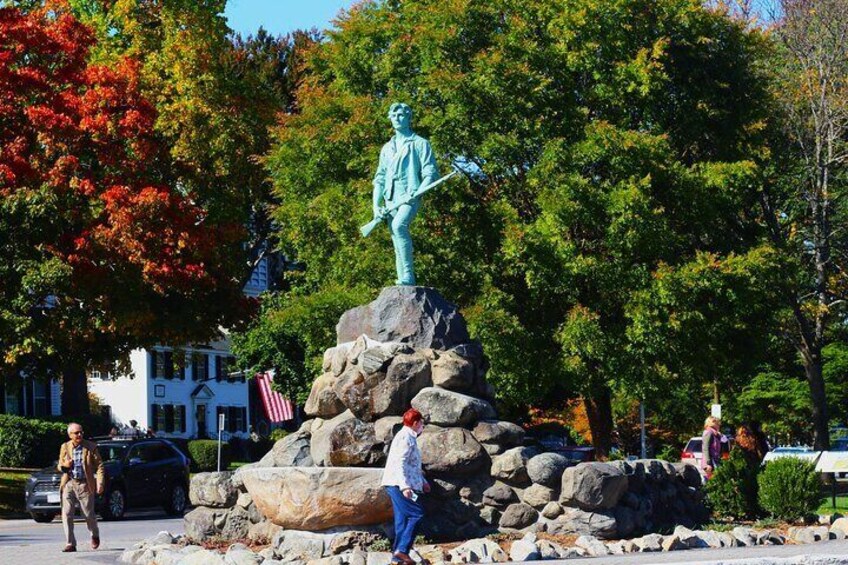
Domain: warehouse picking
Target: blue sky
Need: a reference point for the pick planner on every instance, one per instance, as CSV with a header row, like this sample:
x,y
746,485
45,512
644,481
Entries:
x,y
282,16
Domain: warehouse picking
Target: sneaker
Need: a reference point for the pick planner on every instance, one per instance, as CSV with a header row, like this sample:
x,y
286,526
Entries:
x,y
95,542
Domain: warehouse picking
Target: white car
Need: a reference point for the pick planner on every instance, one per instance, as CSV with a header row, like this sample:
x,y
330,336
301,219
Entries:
x,y
801,452
693,452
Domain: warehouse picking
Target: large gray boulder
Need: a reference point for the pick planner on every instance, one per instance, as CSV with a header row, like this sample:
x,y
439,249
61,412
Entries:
x,y
373,395
215,490
498,436
447,408
204,523
547,468
323,402
575,521
353,443
451,451
373,356
414,315
453,372
518,516
499,495
322,430
592,486
511,466
291,451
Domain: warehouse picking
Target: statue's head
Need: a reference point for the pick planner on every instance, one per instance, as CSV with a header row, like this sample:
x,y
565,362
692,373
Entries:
x,y
400,115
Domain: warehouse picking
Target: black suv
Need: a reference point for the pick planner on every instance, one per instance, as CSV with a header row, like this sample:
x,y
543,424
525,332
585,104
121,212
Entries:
x,y
139,473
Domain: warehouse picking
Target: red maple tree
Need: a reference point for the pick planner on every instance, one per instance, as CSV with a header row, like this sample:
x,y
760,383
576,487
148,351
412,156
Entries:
x,y
101,255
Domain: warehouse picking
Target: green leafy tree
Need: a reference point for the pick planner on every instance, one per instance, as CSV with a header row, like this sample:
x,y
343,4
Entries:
x,y
602,142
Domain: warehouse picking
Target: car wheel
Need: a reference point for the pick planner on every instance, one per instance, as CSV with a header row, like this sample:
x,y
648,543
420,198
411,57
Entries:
x,y
176,503
115,505
43,517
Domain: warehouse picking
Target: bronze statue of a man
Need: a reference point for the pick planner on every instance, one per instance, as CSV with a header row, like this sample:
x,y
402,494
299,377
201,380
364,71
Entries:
x,y
406,165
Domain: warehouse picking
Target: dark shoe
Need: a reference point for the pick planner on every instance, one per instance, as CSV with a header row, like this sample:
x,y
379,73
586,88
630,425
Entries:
x,y
69,548
95,542
404,558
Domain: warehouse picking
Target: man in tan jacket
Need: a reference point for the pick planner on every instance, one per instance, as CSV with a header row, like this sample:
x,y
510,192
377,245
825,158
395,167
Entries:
x,y
82,475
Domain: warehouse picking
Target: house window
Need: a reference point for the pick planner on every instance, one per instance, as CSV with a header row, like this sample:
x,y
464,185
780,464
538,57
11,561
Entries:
x,y
235,418
12,402
40,390
200,367
169,418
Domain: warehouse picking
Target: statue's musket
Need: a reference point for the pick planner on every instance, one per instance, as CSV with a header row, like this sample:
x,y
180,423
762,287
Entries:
x,y
369,227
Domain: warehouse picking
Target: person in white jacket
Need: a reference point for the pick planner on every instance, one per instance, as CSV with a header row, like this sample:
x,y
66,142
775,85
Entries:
x,y
404,480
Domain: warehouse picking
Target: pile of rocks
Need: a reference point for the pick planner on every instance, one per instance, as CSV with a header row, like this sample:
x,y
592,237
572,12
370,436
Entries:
x,y
410,347
223,509
355,547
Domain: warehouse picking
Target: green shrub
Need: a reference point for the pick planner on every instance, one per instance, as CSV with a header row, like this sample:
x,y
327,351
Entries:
x,y
278,434
669,453
732,490
29,443
204,455
790,488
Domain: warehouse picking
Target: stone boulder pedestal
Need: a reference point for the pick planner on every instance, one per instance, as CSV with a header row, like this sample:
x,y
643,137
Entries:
x,y
318,498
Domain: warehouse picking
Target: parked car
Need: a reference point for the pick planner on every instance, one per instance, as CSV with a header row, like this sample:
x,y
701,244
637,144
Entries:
x,y
693,452
139,473
560,444
840,444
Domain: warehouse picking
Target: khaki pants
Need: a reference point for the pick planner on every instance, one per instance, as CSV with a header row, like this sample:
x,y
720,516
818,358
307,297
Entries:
x,y
78,491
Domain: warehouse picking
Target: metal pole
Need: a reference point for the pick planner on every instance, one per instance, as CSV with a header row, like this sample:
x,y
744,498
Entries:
x,y
644,454
220,431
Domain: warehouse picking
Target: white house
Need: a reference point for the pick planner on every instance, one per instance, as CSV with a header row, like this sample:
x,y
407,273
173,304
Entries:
x,y
182,392
178,393
30,397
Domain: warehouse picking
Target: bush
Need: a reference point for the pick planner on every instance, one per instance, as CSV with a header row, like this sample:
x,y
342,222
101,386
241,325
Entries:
x,y
732,490
204,455
278,433
790,488
29,443
669,453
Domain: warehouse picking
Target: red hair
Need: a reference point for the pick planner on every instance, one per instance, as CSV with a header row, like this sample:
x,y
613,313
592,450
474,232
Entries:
x,y
412,417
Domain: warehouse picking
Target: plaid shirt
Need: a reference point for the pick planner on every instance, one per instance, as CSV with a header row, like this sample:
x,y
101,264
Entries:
x,y
77,471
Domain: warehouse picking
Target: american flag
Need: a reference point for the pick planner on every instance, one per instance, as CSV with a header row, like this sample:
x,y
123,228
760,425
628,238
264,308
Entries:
x,y
277,408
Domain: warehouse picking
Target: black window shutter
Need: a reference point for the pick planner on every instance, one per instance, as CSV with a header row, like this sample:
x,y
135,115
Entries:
x,y
219,368
243,418
169,365
169,418
182,410
155,417
151,355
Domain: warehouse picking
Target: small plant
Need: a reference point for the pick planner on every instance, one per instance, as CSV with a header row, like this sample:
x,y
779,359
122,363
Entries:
x,y
204,455
732,490
382,544
719,526
790,489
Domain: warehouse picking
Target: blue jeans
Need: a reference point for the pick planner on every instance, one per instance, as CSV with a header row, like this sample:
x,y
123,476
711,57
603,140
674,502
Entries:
x,y
407,515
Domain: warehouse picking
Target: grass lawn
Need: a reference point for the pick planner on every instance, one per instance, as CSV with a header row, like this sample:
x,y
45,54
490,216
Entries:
x,y
841,505
12,494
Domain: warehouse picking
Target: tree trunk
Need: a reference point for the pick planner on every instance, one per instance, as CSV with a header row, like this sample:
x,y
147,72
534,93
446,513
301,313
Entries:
x,y
599,412
821,426
74,392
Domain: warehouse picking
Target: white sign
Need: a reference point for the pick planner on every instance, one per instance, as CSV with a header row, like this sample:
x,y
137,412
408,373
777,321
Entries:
x,y
716,411
52,497
833,462
220,421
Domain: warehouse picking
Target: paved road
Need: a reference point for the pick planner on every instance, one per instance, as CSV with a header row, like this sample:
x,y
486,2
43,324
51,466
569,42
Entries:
x,y
24,542
829,553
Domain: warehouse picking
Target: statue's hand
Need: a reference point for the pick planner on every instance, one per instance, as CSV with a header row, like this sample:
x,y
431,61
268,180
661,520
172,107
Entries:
x,y
379,213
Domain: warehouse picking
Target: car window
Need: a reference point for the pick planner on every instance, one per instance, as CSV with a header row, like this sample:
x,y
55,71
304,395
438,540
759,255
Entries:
x,y
694,446
112,452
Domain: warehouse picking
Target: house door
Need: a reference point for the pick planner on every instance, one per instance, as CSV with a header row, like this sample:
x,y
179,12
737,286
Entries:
x,y
201,421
